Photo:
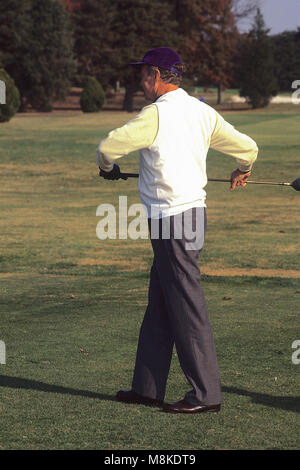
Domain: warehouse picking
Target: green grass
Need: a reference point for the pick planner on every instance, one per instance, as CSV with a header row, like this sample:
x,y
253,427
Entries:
x,y
71,305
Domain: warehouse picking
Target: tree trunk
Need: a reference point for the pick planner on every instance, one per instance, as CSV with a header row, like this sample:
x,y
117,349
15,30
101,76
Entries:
x,y
220,90
23,105
128,98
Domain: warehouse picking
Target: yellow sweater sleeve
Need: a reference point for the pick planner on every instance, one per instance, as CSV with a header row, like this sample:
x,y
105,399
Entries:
x,y
227,139
136,134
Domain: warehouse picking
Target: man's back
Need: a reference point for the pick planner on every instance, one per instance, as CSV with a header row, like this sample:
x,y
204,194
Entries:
x,y
173,168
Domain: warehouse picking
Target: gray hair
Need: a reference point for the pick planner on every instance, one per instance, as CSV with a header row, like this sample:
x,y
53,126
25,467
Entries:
x,y
168,76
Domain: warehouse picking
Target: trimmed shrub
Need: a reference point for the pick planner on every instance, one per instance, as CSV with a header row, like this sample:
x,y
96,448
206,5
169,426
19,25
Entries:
x,y
92,97
12,97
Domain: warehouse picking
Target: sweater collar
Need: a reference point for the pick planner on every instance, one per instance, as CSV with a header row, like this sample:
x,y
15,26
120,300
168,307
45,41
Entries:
x,y
170,94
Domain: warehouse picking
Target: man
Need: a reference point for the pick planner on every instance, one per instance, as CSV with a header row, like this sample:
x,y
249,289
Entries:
x,y
173,135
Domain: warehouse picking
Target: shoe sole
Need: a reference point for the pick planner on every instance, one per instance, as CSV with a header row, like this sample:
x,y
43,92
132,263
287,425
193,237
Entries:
x,y
211,410
138,402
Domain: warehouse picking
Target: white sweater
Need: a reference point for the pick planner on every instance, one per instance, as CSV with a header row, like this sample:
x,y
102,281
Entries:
x,y
173,168
173,150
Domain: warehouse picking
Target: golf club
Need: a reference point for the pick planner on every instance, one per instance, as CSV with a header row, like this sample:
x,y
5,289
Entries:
x,y
295,184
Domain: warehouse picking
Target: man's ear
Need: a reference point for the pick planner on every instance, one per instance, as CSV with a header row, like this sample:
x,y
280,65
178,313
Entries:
x,y
157,74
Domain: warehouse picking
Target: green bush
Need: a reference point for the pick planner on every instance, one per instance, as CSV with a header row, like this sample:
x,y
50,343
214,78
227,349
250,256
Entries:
x,y
13,101
92,97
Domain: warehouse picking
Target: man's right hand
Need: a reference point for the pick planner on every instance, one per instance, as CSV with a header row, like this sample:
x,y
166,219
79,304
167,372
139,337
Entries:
x,y
239,178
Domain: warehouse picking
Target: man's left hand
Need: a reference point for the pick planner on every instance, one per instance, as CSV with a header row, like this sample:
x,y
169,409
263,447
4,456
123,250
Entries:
x,y
239,178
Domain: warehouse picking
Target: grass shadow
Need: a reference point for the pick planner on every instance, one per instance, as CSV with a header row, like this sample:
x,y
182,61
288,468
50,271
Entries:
x,y
27,384
281,402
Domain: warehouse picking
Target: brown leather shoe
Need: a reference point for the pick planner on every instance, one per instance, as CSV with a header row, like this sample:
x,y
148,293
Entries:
x,y
184,407
132,397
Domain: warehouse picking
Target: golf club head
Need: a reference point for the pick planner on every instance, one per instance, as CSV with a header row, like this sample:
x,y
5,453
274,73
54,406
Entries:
x,y
296,184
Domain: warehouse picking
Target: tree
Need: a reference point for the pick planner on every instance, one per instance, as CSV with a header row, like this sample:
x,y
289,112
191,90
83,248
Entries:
x,y
72,5
287,58
13,33
257,77
49,59
37,41
210,38
138,28
94,41
109,35
242,9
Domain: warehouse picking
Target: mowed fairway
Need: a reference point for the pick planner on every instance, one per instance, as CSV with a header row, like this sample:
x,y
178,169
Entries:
x,y
71,305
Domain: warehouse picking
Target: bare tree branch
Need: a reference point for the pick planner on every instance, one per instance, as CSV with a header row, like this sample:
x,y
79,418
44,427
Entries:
x,y
244,8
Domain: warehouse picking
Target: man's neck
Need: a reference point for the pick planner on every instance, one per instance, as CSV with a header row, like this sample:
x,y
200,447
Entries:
x,y
164,88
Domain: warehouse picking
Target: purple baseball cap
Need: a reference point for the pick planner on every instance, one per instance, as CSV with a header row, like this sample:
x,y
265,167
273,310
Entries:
x,y
163,57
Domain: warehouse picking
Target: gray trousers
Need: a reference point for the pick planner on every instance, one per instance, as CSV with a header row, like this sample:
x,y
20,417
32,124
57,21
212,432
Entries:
x,y
176,314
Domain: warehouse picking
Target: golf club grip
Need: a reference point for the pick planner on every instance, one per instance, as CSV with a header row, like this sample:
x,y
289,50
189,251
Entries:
x,y
136,175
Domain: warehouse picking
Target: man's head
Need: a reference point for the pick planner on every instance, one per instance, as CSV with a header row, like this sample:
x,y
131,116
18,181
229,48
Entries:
x,y
161,71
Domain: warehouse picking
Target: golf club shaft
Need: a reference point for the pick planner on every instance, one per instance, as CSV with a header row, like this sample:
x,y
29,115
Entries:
x,y
252,182
136,175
